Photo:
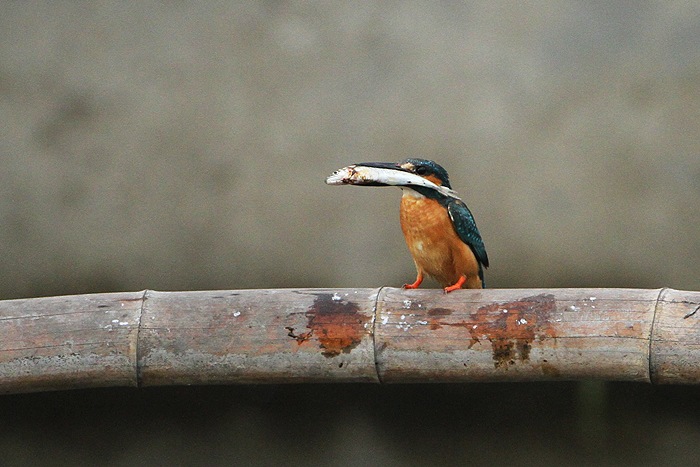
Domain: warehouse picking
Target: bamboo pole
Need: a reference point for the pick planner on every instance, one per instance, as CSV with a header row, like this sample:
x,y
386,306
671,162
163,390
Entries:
x,y
382,335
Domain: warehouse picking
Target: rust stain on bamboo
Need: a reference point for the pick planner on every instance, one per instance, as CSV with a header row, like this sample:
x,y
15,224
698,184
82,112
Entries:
x,y
435,315
337,324
510,327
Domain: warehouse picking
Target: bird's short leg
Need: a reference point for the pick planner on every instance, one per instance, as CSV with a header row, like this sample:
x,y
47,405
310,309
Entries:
x,y
456,285
418,281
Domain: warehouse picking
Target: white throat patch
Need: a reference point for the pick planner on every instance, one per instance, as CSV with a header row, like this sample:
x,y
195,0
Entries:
x,y
409,192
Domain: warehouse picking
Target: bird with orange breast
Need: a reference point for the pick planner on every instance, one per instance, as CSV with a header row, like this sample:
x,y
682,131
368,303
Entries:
x,y
439,229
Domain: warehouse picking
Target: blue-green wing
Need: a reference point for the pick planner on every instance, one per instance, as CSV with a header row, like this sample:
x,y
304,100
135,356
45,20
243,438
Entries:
x,y
465,226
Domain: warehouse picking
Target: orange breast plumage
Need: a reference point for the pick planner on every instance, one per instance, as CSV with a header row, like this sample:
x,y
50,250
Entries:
x,y
433,242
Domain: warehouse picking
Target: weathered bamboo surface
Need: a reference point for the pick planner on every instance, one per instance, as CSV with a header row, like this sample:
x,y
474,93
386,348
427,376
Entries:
x,y
384,335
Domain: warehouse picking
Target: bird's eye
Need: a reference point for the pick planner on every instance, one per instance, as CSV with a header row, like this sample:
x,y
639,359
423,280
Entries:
x,y
420,170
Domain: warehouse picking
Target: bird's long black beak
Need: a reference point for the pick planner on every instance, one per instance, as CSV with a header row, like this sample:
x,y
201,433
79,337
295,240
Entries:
x,y
382,165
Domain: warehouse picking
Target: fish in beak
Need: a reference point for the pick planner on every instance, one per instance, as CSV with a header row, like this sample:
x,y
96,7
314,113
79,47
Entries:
x,y
383,174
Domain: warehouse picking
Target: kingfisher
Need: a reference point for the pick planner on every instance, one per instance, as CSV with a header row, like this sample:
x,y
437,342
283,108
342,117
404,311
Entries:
x,y
438,227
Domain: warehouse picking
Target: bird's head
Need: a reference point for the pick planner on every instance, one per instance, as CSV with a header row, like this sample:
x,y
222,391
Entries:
x,y
430,170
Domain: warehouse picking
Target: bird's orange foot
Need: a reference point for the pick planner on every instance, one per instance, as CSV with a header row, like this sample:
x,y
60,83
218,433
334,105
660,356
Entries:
x,y
456,285
415,285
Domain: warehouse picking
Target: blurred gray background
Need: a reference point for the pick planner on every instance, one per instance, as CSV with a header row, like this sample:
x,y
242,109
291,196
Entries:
x,y
184,146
